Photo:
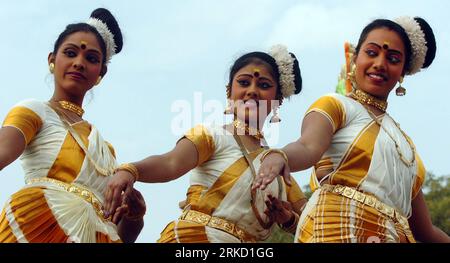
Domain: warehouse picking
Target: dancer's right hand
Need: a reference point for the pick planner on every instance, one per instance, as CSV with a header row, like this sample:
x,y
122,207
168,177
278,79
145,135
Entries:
x,y
272,166
121,182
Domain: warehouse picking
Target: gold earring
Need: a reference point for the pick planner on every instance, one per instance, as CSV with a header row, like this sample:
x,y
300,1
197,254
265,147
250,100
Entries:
x,y
51,67
228,109
98,80
351,76
228,89
276,116
400,90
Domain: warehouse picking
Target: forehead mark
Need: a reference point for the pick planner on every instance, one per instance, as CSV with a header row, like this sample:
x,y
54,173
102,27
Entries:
x,y
256,72
83,44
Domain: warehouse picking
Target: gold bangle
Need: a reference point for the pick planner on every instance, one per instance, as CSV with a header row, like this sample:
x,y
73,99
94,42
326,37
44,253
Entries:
x,y
283,154
131,168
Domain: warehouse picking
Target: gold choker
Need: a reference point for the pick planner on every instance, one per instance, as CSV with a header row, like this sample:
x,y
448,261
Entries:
x,y
248,130
67,105
365,98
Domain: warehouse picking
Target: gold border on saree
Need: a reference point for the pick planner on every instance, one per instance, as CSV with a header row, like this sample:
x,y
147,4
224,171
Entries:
x,y
217,223
82,192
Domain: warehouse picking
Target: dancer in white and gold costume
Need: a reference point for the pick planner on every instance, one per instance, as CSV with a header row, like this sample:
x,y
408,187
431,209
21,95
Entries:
x,y
220,206
66,161
367,174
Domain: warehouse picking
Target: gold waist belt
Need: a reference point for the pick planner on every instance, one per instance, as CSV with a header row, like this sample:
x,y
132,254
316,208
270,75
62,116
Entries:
x,y
217,223
82,192
369,200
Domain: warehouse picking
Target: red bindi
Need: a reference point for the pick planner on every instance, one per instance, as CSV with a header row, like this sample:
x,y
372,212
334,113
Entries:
x,y
256,72
83,44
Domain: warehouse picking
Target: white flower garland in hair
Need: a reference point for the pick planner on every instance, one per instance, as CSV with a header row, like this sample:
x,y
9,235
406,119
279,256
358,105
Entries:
x,y
285,63
107,36
418,43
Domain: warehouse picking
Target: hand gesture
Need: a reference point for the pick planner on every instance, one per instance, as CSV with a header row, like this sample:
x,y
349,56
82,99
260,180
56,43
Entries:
x,y
278,211
272,165
133,207
118,189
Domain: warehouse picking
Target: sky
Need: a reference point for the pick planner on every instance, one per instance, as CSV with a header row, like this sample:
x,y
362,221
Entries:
x,y
176,59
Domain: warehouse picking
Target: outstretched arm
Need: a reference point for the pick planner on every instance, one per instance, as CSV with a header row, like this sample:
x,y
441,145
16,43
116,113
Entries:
x,y
12,145
317,132
421,225
153,169
169,166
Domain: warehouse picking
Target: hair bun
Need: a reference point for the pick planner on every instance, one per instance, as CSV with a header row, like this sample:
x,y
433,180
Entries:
x,y
430,39
297,75
288,68
106,17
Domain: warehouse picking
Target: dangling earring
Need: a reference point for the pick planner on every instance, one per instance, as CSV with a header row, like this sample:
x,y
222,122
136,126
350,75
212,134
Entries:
x,y
51,67
228,109
276,117
98,80
351,76
400,90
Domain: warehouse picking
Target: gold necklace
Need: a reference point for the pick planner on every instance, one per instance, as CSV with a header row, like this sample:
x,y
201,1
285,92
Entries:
x,y
248,130
365,98
107,171
397,147
67,105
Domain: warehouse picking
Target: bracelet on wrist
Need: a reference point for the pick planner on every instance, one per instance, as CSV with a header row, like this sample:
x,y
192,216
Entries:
x,y
283,154
131,168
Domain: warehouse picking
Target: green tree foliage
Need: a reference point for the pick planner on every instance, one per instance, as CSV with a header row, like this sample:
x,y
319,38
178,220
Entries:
x,y
307,191
280,236
436,191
